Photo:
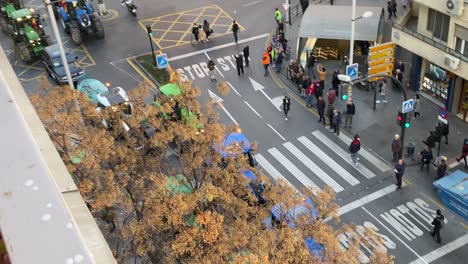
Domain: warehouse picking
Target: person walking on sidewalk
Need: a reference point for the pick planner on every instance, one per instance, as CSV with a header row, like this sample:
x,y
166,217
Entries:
x,y
321,109
336,121
416,106
322,74
426,158
309,94
438,222
239,63
211,68
235,30
196,31
286,106
331,94
442,168
266,62
399,76
279,61
330,112
437,133
400,66
444,128
399,171
430,140
311,64
350,111
464,152
382,92
396,148
246,54
207,29
278,16
354,148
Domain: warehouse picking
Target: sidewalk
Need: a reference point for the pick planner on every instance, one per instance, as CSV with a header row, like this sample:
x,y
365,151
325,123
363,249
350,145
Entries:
x,y
378,127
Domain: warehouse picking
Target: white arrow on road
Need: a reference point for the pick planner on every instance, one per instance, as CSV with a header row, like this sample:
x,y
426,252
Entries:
x,y
218,100
259,87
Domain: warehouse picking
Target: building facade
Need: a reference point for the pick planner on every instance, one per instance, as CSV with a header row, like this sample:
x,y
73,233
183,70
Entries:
x,y
436,33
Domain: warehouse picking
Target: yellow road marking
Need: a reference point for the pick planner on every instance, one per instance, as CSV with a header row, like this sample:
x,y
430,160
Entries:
x,y
142,74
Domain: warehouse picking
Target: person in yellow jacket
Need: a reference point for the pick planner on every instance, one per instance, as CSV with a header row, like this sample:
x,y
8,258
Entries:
x,y
278,16
266,62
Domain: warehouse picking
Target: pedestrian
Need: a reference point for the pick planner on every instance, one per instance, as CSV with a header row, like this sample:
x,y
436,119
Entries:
x,y
322,74
331,2
321,109
281,25
444,127
246,54
330,110
394,8
396,148
311,64
266,62
286,106
437,132
442,168
318,90
426,157
278,16
274,55
382,92
400,66
404,3
389,10
336,121
235,30
416,106
438,223
399,171
201,33
239,63
354,148
430,140
399,76
336,82
350,111
464,152
195,31
211,68
207,29
331,94
309,94
306,82
279,61
270,49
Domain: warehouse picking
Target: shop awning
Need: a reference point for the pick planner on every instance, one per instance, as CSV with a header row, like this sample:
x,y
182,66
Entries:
x,y
334,22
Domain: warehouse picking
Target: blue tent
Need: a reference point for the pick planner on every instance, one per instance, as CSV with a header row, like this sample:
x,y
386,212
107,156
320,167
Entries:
x,y
92,88
453,191
228,147
305,208
250,175
315,248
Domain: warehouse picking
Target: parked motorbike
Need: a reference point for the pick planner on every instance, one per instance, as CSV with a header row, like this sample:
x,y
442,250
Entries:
x,y
131,7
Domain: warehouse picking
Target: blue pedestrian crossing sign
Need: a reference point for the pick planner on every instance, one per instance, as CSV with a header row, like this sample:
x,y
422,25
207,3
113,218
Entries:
x,y
161,61
352,71
407,106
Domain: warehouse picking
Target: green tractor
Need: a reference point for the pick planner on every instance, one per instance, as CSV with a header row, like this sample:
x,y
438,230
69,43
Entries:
x,y
7,5
26,29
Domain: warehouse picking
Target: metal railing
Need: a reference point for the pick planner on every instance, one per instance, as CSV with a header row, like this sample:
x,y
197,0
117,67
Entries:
x,y
431,41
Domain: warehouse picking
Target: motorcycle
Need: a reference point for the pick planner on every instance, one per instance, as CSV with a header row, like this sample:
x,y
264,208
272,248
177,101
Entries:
x,y
131,7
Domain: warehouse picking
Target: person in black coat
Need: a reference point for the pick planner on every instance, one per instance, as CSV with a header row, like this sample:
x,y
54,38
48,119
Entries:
x,y
336,122
399,171
336,82
437,223
350,111
246,54
437,133
286,106
430,141
321,109
444,130
426,157
239,63
442,168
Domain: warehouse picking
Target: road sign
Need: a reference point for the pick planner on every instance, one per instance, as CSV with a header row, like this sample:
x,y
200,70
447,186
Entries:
x,y
381,60
381,47
161,61
388,53
381,69
443,115
377,62
407,106
352,71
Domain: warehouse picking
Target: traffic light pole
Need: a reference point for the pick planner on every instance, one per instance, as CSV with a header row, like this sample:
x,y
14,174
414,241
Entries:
x,y
149,31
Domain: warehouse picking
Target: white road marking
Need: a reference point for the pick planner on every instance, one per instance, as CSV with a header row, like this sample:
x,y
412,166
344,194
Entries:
x,y
234,89
251,108
342,154
442,251
399,239
382,166
269,99
227,113
329,161
313,167
277,133
216,67
253,3
183,56
219,101
258,87
294,170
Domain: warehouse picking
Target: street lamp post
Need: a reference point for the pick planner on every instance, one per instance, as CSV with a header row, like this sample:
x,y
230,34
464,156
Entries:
x,y
353,21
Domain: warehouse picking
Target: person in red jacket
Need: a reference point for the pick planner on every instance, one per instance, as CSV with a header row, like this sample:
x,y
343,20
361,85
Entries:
x,y
464,152
331,96
310,93
354,147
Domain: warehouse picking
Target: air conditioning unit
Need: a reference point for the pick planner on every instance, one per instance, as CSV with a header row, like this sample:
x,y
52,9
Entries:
x,y
451,62
454,7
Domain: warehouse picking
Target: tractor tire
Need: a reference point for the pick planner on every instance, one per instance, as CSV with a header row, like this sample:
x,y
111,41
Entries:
x,y
48,40
75,33
65,26
3,24
99,29
24,52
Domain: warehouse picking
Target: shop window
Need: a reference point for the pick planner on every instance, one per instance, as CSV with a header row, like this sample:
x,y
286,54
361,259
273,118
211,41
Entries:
x,y
438,24
435,82
461,46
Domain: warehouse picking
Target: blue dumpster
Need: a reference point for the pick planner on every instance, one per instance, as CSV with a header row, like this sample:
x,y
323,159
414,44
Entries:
x,y
453,191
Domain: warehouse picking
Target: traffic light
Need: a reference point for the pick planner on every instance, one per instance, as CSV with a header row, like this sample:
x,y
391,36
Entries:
x,y
400,118
344,97
407,121
149,30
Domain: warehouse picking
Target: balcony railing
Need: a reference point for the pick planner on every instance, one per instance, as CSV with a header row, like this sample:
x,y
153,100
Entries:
x,y
431,41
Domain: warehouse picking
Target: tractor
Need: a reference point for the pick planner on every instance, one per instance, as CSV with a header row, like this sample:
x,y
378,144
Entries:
x,y
8,5
26,29
78,19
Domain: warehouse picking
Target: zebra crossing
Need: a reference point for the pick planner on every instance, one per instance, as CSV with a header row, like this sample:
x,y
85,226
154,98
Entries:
x,y
318,160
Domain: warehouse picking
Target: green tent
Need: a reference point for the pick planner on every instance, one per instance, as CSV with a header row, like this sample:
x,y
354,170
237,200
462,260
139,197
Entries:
x,y
170,89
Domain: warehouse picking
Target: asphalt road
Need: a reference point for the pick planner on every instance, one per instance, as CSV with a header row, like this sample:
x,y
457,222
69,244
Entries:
x,y
299,149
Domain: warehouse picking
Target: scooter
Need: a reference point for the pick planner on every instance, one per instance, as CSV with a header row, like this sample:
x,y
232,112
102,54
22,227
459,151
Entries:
x,y
131,7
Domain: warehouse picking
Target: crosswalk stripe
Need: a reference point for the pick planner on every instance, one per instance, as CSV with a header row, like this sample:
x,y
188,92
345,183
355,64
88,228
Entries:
x,y
329,161
368,156
342,154
313,167
293,170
